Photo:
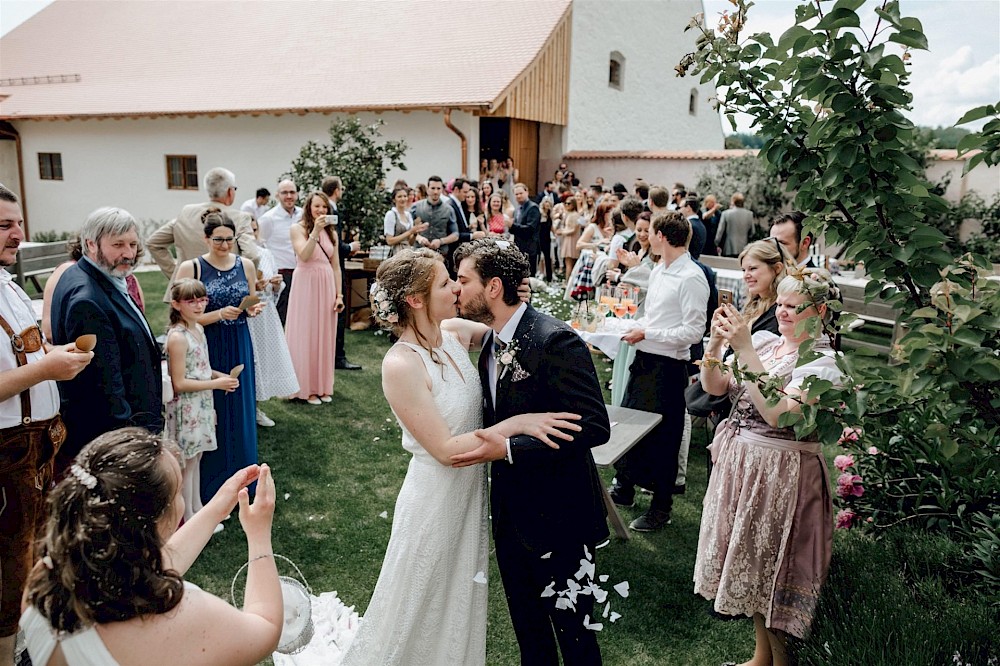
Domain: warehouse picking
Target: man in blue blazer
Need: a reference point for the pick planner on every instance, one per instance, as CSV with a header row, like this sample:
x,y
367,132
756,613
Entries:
x,y
122,385
526,226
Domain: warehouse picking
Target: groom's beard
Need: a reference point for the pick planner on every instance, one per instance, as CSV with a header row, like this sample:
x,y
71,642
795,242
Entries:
x,y
476,310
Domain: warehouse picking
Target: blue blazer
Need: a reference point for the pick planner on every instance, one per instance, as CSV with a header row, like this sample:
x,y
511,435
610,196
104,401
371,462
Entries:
x,y
122,386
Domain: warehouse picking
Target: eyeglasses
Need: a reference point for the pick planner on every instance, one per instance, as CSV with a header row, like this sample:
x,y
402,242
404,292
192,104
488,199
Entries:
x,y
196,301
220,241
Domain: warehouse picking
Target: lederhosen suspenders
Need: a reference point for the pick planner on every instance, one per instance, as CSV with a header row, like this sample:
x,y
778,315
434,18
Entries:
x,y
28,340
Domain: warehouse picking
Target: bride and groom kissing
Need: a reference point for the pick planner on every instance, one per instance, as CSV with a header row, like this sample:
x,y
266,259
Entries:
x,y
534,411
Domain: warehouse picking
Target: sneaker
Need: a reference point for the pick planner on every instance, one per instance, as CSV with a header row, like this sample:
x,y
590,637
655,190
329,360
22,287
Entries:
x,y
263,420
621,496
651,521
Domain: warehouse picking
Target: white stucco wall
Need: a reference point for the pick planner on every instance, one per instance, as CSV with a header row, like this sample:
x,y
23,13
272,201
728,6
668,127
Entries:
x,y
122,162
651,111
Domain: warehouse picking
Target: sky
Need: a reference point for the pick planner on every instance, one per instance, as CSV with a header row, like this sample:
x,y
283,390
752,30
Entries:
x,y
960,71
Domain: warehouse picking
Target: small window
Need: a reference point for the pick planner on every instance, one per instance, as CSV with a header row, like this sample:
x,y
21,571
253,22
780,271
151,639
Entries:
x,y
50,166
182,172
616,71
693,102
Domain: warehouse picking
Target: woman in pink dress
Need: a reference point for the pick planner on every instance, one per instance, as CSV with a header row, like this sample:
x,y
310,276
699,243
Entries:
x,y
315,301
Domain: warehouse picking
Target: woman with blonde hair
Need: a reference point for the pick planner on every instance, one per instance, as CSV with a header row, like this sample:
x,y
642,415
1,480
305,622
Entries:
x,y
767,524
569,231
437,551
763,264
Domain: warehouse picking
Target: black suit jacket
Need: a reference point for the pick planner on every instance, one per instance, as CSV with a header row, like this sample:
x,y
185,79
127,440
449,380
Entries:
x,y
464,234
122,385
548,498
525,228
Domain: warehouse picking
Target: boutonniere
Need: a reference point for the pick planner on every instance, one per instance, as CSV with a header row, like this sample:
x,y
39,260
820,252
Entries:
x,y
507,361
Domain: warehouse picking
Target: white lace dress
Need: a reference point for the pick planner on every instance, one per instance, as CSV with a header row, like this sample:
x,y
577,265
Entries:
x,y
429,604
275,376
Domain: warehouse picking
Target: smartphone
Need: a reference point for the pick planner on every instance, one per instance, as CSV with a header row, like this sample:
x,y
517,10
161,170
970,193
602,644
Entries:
x,y
725,297
332,220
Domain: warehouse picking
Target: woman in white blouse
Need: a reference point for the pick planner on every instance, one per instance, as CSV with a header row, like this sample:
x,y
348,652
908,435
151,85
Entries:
x,y
398,227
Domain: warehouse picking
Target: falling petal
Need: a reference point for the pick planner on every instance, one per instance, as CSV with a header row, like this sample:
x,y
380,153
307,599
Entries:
x,y
607,609
622,589
547,555
549,590
603,578
615,616
480,578
287,495
385,514
587,568
596,626
564,604
586,552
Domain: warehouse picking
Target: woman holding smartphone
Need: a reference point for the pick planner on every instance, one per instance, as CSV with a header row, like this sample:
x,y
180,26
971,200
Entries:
x,y
315,302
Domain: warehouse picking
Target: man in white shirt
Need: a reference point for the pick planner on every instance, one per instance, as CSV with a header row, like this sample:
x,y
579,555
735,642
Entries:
x,y
275,228
31,430
676,312
259,205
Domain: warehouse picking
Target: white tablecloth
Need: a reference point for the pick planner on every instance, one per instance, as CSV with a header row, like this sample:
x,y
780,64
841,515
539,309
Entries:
x,y
608,338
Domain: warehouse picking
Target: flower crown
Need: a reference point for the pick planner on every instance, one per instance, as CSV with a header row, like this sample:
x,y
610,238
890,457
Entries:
x,y
383,307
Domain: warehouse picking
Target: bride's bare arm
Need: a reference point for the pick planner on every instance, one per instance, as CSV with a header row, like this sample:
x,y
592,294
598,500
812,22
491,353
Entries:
x,y
469,333
407,387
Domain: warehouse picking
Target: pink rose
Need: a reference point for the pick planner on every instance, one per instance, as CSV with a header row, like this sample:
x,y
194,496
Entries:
x,y
872,450
844,518
849,485
850,435
843,462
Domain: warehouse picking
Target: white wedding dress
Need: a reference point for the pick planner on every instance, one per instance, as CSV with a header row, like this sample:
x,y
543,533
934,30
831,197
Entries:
x,y
429,604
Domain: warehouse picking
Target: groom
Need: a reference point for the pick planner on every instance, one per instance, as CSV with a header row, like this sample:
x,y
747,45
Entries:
x,y
546,503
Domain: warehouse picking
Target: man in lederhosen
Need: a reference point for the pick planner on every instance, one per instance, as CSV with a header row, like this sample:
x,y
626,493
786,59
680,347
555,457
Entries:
x,y
30,428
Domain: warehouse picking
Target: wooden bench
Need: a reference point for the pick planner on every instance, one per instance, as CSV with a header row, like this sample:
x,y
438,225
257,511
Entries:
x,y
35,260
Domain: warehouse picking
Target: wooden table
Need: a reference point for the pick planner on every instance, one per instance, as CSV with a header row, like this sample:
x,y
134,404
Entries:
x,y
628,426
355,270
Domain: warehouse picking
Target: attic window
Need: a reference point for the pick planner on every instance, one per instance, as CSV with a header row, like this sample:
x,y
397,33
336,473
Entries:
x,y
693,102
616,71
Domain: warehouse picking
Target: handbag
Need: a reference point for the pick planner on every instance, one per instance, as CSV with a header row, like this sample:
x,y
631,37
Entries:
x,y
700,403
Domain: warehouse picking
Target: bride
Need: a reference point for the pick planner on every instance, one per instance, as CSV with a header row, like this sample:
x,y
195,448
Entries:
x,y
429,604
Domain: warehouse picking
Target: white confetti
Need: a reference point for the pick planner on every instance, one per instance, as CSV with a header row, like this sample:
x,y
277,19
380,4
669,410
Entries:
x,y
564,604
599,594
385,514
480,578
596,626
388,420
622,589
587,568
586,552
615,616
550,590
602,545
287,495
607,609
547,555
375,439
603,578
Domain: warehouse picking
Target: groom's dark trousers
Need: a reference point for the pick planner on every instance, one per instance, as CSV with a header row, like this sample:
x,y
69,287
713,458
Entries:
x,y
547,500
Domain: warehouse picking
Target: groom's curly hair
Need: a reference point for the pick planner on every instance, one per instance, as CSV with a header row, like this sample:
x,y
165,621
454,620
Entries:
x,y
496,259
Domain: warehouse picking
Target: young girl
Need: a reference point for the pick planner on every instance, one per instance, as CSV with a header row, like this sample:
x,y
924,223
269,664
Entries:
x,y
191,414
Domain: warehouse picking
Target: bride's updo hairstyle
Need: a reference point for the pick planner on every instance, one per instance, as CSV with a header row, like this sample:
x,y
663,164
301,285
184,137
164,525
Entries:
x,y
408,273
100,553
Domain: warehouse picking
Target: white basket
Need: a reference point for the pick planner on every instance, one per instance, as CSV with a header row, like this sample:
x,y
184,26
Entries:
x,y
297,628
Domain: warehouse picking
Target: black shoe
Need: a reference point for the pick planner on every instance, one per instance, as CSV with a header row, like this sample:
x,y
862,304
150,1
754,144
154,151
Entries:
x,y
651,521
621,496
680,490
347,365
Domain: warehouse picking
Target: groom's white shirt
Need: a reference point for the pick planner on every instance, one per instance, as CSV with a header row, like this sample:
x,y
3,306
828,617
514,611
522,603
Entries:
x,y
505,335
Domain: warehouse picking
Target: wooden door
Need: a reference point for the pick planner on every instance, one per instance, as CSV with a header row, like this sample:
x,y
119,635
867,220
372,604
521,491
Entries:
x,y
524,150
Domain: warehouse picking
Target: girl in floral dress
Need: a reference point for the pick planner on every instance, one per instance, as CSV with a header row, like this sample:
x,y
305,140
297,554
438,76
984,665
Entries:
x,y
191,414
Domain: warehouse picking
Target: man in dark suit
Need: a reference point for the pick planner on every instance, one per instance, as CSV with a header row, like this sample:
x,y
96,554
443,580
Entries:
x,y
787,229
333,188
122,385
526,225
547,507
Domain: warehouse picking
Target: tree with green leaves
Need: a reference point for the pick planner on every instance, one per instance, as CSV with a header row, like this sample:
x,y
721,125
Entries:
x,y
362,158
828,97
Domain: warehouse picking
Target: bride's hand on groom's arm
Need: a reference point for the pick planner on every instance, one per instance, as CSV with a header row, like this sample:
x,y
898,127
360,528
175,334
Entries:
x,y
543,426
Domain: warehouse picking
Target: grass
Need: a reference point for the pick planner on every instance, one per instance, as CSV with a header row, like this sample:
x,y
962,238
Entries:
x,y
341,466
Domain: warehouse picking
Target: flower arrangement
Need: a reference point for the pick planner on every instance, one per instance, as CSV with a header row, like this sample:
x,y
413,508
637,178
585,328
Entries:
x,y
383,306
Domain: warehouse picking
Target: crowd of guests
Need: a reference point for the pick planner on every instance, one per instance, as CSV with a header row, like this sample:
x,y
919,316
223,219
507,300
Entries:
x,y
240,334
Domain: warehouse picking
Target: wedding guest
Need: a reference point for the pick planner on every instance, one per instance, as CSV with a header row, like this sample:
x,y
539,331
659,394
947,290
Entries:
x,y
272,362
595,237
498,222
473,211
110,587
545,236
311,328
190,415
767,525
568,232
397,226
486,189
735,225
228,279
710,215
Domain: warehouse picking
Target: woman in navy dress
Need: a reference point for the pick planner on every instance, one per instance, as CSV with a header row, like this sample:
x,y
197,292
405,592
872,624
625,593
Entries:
x,y
228,278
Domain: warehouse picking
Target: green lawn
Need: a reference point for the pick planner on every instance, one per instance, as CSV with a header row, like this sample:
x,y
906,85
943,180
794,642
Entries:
x,y
341,465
